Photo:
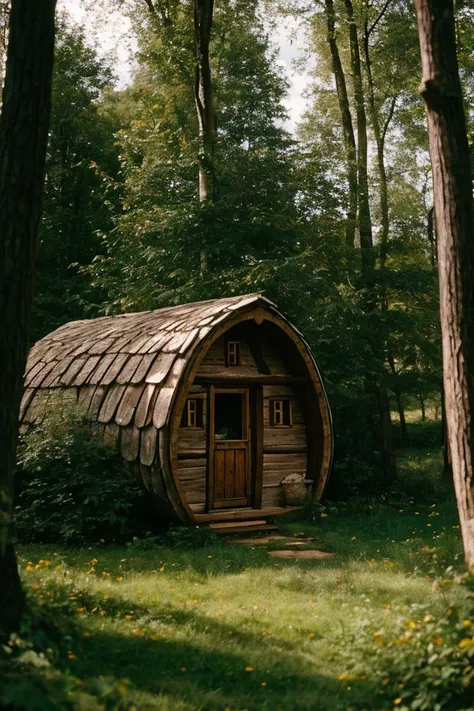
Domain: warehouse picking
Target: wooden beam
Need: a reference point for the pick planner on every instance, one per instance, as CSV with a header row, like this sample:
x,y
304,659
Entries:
x,y
249,380
257,444
244,514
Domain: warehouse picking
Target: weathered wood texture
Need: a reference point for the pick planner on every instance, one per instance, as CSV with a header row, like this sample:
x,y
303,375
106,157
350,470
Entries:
x,y
285,448
24,122
454,212
133,372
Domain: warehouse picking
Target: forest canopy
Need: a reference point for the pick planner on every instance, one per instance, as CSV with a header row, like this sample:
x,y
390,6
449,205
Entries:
x,y
333,221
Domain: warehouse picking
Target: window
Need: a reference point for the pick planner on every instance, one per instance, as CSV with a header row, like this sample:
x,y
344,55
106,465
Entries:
x,y
280,413
228,416
193,413
233,353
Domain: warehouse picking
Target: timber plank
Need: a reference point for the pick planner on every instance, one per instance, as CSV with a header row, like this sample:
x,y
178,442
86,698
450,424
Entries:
x,y
69,375
105,362
160,368
111,402
162,406
37,380
143,368
111,435
148,442
129,402
101,346
144,411
114,369
130,442
96,400
54,376
245,514
87,369
86,393
128,369
26,399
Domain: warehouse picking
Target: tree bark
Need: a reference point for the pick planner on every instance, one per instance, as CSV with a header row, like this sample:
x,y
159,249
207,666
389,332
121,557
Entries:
x,y
347,127
23,139
431,233
203,16
447,464
401,414
380,133
365,222
454,214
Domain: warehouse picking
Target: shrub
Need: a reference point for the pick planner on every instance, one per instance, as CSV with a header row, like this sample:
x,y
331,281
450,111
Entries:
x,y
72,488
35,677
425,664
192,537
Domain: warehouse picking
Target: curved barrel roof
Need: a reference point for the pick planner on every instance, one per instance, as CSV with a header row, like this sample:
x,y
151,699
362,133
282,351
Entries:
x,y
125,368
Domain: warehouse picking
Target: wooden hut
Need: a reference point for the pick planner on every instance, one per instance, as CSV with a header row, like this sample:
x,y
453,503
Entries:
x,y
213,403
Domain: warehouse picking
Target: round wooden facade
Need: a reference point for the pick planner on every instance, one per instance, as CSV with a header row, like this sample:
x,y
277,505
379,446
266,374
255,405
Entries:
x,y
212,404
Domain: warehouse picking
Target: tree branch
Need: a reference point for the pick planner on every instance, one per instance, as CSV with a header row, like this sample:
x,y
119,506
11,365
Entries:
x,y
389,117
378,18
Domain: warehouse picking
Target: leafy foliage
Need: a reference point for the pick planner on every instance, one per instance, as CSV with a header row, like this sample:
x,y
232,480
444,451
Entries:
x,y
33,675
72,488
422,664
79,195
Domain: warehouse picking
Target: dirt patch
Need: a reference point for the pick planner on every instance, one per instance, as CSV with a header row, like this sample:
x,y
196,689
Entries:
x,y
300,555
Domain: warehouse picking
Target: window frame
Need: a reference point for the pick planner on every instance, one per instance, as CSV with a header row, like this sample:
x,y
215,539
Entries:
x,y
279,401
235,355
197,413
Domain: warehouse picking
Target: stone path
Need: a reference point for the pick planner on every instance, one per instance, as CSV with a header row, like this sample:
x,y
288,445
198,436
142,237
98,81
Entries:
x,y
287,546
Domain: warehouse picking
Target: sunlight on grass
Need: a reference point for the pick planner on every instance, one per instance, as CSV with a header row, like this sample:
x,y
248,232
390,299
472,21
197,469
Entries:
x,y
228,627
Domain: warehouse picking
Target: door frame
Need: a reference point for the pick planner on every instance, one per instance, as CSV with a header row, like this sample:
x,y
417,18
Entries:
x,y
247,429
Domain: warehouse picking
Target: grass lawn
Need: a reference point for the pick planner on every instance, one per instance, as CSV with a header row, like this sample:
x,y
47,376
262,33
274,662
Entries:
x,y
228,627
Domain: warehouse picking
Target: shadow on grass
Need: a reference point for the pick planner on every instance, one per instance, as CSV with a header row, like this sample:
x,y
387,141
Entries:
x,y
417,539
213,673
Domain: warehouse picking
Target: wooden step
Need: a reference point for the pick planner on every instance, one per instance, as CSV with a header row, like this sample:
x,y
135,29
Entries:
x,y
245,530
244,514
239,525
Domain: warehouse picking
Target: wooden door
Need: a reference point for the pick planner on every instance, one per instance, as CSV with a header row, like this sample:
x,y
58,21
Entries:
x,y
229,448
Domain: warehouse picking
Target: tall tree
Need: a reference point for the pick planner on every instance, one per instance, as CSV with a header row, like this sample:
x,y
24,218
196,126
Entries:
x,y
454,213
23,139
81,188
154,253
346,118
365,220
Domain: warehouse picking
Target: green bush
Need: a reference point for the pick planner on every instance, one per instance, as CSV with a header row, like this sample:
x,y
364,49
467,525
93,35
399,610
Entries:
x,y
191,537
34,672
425,664
71,487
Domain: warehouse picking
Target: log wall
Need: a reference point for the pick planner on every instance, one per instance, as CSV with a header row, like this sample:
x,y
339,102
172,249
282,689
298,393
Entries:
x,y
284,448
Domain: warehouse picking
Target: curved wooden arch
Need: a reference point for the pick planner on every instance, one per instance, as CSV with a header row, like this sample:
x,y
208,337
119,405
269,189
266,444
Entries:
x,y
132,372
259,315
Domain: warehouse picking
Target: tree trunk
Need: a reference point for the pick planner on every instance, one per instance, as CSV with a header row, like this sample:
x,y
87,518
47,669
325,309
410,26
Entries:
x,y
432,237
401,414
203,15
422,404
399,400
23,139
365,222
379,132
347,127
447,465
454,214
